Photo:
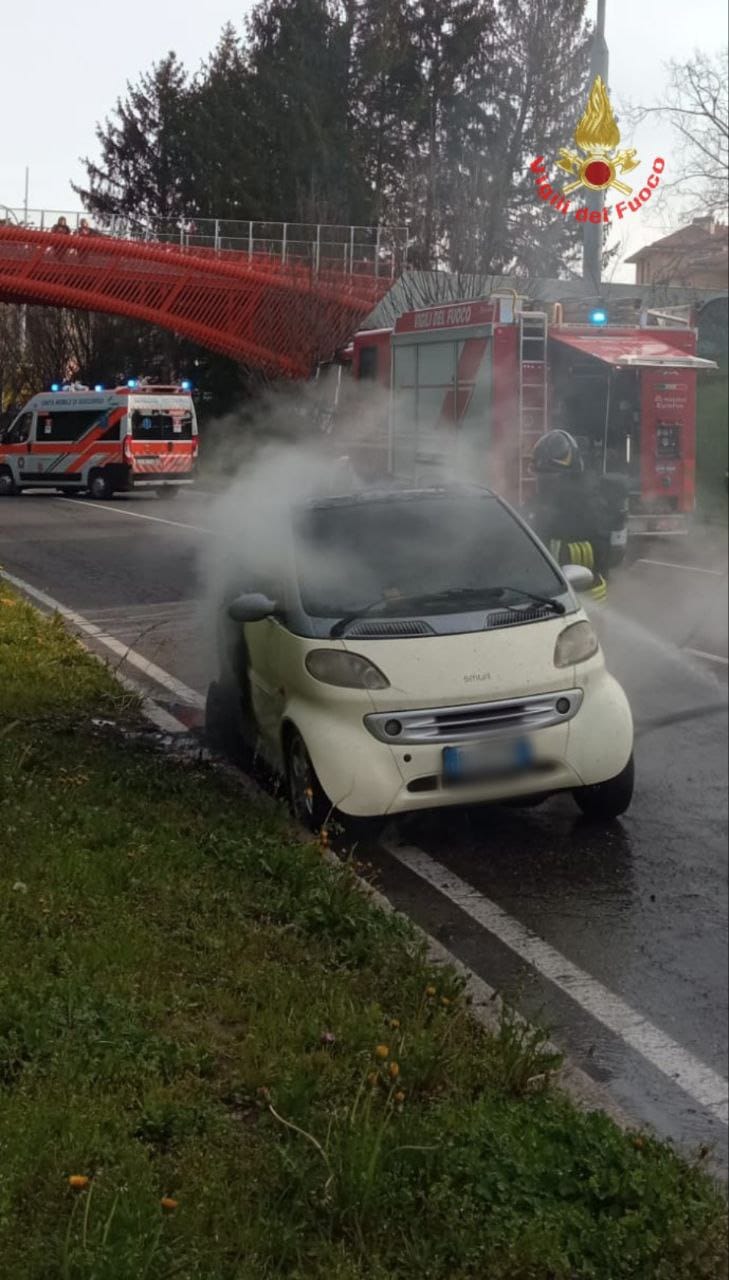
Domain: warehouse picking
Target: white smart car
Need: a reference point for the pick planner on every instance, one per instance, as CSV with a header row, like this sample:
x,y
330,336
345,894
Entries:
x,y
415,649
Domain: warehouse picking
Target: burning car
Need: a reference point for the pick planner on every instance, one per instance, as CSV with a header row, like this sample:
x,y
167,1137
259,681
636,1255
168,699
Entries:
x,y
416,648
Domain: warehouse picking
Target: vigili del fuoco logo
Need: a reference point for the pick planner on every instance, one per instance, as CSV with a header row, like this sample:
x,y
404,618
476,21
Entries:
x,y
598,164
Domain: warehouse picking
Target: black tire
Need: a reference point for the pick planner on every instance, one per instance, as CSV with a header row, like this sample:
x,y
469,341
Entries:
x,y
8,487
99,486
308,802
607,800
526,802
222,721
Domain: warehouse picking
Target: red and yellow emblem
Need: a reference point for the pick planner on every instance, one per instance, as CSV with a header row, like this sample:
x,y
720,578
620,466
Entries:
x,y
597,137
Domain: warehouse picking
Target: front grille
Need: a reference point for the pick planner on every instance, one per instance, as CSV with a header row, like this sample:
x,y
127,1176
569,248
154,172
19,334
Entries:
x,y
472,721
515,617
375,627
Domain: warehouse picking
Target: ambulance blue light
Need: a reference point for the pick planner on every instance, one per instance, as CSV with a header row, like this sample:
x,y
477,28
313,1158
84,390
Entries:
x,y
98,387
132,383
598,316
186,386
55,386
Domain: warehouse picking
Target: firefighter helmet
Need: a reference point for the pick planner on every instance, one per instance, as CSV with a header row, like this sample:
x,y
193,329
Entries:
x,y
557,451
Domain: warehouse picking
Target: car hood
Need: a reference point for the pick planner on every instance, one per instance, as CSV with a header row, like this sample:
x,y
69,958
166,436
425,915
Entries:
x,y
476,666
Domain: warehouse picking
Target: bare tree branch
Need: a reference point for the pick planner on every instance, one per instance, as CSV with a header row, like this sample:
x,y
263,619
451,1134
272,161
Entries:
x,y
695,104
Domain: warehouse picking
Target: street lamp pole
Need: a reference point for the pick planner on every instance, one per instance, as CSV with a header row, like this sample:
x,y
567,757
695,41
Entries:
x,y
24,308
592,235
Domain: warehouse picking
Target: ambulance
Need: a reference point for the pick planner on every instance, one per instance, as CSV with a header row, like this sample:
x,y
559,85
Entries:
x,y
100,442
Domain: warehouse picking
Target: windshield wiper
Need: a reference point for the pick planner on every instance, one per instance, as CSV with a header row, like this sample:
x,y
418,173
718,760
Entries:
x,y
450,593
396,602
549,601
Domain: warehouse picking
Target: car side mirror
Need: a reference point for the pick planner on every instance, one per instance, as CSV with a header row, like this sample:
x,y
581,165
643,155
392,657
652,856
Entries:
x,y
252,607
578,577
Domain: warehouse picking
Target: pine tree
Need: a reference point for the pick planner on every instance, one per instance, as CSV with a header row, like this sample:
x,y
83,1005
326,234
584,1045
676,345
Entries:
x,y
299,67
145,171
527,105
385,88
227,173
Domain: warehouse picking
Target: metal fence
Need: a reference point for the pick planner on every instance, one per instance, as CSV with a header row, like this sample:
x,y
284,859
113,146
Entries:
x,y
373,251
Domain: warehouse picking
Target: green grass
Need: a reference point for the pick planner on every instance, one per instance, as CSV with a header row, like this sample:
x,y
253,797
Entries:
x,y
190,1007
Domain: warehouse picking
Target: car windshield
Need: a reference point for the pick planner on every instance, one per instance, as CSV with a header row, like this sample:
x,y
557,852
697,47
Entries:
x,y
402,552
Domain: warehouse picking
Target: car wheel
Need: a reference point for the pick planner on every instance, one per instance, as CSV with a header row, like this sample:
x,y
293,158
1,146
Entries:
x,y
526,802
223,729
99,486
308,801
607,800
8,487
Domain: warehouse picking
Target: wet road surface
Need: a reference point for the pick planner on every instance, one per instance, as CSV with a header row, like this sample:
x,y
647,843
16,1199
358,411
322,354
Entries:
x,y
615,939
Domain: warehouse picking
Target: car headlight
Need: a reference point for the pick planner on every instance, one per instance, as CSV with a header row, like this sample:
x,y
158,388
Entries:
x,y
576,643
346,670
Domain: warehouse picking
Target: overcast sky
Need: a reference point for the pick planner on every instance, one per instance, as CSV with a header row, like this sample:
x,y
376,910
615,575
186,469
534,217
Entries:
x,y
65,65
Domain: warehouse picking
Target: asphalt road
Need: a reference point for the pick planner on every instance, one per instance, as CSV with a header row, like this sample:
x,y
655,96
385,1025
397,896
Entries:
x,y
615,939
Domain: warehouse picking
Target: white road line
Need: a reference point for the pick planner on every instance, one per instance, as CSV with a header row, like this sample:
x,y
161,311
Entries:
x,y
158,715
113,610
132,619
163,678
690,568
705,1086
138,515
708,657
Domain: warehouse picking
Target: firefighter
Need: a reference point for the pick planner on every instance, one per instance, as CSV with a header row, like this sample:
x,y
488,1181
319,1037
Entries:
x,y
567,515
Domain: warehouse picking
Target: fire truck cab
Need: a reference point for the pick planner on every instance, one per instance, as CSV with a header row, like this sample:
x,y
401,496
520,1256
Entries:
x,y
101,442
474,384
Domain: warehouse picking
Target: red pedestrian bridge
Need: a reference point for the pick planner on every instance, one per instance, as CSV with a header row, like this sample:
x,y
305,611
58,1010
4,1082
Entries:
x,y
278,297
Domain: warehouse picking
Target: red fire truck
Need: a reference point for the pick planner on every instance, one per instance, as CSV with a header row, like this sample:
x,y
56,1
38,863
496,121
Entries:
x,y
471,386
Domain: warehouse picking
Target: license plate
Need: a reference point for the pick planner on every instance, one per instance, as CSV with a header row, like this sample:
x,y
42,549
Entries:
x,y
486,760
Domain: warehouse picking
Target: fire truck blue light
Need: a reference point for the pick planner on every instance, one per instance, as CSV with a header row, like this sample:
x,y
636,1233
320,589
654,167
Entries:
x,y
598,316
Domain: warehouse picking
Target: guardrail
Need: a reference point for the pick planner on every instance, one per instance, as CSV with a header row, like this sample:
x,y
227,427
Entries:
x,y
380,251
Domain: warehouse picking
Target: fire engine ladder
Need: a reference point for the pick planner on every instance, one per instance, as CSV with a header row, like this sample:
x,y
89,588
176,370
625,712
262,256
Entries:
x,y
532,392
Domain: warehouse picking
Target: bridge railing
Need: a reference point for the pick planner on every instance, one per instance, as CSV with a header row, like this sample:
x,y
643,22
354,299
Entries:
x,y
353,250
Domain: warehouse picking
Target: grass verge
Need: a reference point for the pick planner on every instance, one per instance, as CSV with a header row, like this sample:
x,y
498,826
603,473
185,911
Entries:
x,y
251,1071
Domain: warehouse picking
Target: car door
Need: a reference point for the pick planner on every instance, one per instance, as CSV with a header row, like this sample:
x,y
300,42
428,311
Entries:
x,y
17,447
264,642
